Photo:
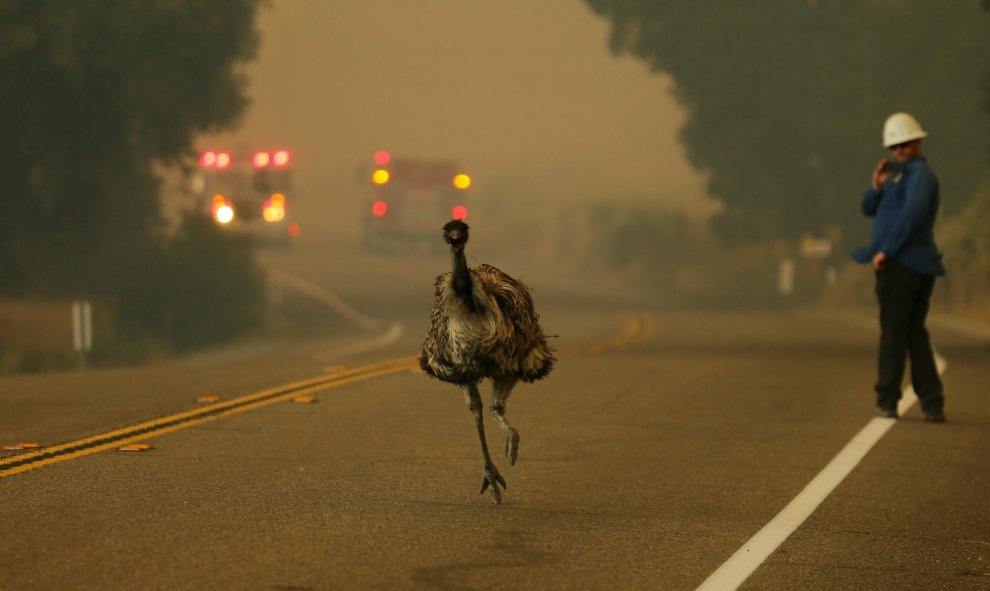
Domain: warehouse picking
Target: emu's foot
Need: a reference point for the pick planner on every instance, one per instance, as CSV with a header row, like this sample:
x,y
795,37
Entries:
x,y
512,446
493,479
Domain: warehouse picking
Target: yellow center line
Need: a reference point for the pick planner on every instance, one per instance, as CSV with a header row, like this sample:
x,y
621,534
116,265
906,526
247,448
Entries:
x,y
175,422
638,327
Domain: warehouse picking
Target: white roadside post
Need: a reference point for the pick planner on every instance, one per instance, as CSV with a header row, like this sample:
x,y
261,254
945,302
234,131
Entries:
x,y
82,330
785,277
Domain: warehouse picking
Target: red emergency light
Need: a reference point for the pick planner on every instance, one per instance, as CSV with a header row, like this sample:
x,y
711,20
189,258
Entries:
x,y
211,159
382,157
280,158
261,159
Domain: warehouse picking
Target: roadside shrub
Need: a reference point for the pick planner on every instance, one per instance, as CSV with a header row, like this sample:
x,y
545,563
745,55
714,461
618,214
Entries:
x,y
15,358
646,236
215,290
965,243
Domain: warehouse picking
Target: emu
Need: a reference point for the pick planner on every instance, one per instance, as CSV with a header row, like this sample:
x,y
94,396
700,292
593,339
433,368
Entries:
x,y
483,325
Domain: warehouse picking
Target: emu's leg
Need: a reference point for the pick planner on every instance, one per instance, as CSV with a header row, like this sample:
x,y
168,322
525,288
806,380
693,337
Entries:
x,y
501,389
492,477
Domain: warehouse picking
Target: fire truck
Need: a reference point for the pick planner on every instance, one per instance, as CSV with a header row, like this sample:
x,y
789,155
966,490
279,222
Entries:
x,y
248,190
409,200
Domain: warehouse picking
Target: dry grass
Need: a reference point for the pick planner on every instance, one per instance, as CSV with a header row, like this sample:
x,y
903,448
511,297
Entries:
x,y
36,323
35,335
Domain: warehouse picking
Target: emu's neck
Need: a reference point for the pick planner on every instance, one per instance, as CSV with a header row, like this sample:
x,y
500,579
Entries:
x,y
462,281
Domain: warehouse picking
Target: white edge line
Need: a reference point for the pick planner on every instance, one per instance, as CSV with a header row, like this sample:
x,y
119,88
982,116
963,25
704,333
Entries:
x,y
390,336
327,297
755,551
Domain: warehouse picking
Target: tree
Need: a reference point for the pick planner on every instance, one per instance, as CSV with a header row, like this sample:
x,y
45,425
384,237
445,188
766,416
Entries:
x,y
786,99
94,95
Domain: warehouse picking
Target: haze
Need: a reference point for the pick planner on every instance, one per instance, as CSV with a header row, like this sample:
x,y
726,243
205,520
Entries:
x,y
526,96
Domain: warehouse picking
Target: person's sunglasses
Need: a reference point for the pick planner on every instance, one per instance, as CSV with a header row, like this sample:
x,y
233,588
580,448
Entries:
x,y
902,145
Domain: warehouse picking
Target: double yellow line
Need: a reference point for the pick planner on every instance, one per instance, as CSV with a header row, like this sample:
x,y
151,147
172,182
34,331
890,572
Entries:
x,y
120,437
638,327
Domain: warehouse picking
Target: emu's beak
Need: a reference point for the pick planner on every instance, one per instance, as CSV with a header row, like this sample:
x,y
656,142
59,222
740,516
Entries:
x,y
455,239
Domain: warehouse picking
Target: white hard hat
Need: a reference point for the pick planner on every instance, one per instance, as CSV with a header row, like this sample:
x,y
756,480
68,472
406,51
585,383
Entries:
x,y
900,128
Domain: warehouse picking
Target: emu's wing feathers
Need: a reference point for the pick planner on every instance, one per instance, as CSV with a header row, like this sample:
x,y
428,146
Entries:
x,y
531,351
434,358
512,297
507,342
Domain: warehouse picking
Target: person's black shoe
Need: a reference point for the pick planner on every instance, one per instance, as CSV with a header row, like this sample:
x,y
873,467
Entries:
x,y
935,417
887,413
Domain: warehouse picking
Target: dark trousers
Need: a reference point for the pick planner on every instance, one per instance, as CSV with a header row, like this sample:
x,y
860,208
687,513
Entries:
x,y
904,296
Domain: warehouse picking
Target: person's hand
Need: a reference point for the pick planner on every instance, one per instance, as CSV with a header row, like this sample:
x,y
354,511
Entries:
x,y
880,175
879,261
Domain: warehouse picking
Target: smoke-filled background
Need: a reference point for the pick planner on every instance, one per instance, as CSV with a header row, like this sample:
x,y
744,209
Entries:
x,y
684,148
525,96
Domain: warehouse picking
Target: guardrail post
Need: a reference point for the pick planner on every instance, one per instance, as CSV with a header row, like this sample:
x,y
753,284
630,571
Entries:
x,y
82,330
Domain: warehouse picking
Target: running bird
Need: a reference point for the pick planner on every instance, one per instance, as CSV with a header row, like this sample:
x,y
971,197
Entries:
x,y
484,326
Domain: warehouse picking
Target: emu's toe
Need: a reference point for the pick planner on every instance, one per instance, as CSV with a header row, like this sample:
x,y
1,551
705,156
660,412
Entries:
x,y
493,479
512,446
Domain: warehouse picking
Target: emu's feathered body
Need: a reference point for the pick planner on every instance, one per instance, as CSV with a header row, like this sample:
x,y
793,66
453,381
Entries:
x,y
502,337
484,326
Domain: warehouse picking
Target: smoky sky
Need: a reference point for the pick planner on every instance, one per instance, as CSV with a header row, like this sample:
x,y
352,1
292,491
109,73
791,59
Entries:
x,y
522,94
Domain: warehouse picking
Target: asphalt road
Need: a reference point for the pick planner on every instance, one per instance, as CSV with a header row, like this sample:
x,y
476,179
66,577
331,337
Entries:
x,y
663,441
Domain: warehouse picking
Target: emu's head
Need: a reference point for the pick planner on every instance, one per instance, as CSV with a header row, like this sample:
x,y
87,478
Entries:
x,y
455,233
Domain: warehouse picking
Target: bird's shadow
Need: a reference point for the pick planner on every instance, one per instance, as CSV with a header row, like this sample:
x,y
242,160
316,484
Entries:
x,y
513,549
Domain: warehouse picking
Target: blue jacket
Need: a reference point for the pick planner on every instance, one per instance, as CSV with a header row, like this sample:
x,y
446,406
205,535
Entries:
x,y
905,211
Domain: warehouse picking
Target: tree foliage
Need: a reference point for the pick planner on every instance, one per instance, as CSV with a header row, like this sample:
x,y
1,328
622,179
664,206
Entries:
x,y
966,243
94,95
212,273
786,98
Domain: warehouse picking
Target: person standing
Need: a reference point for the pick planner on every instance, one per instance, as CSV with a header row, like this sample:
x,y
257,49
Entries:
x,y
903,199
